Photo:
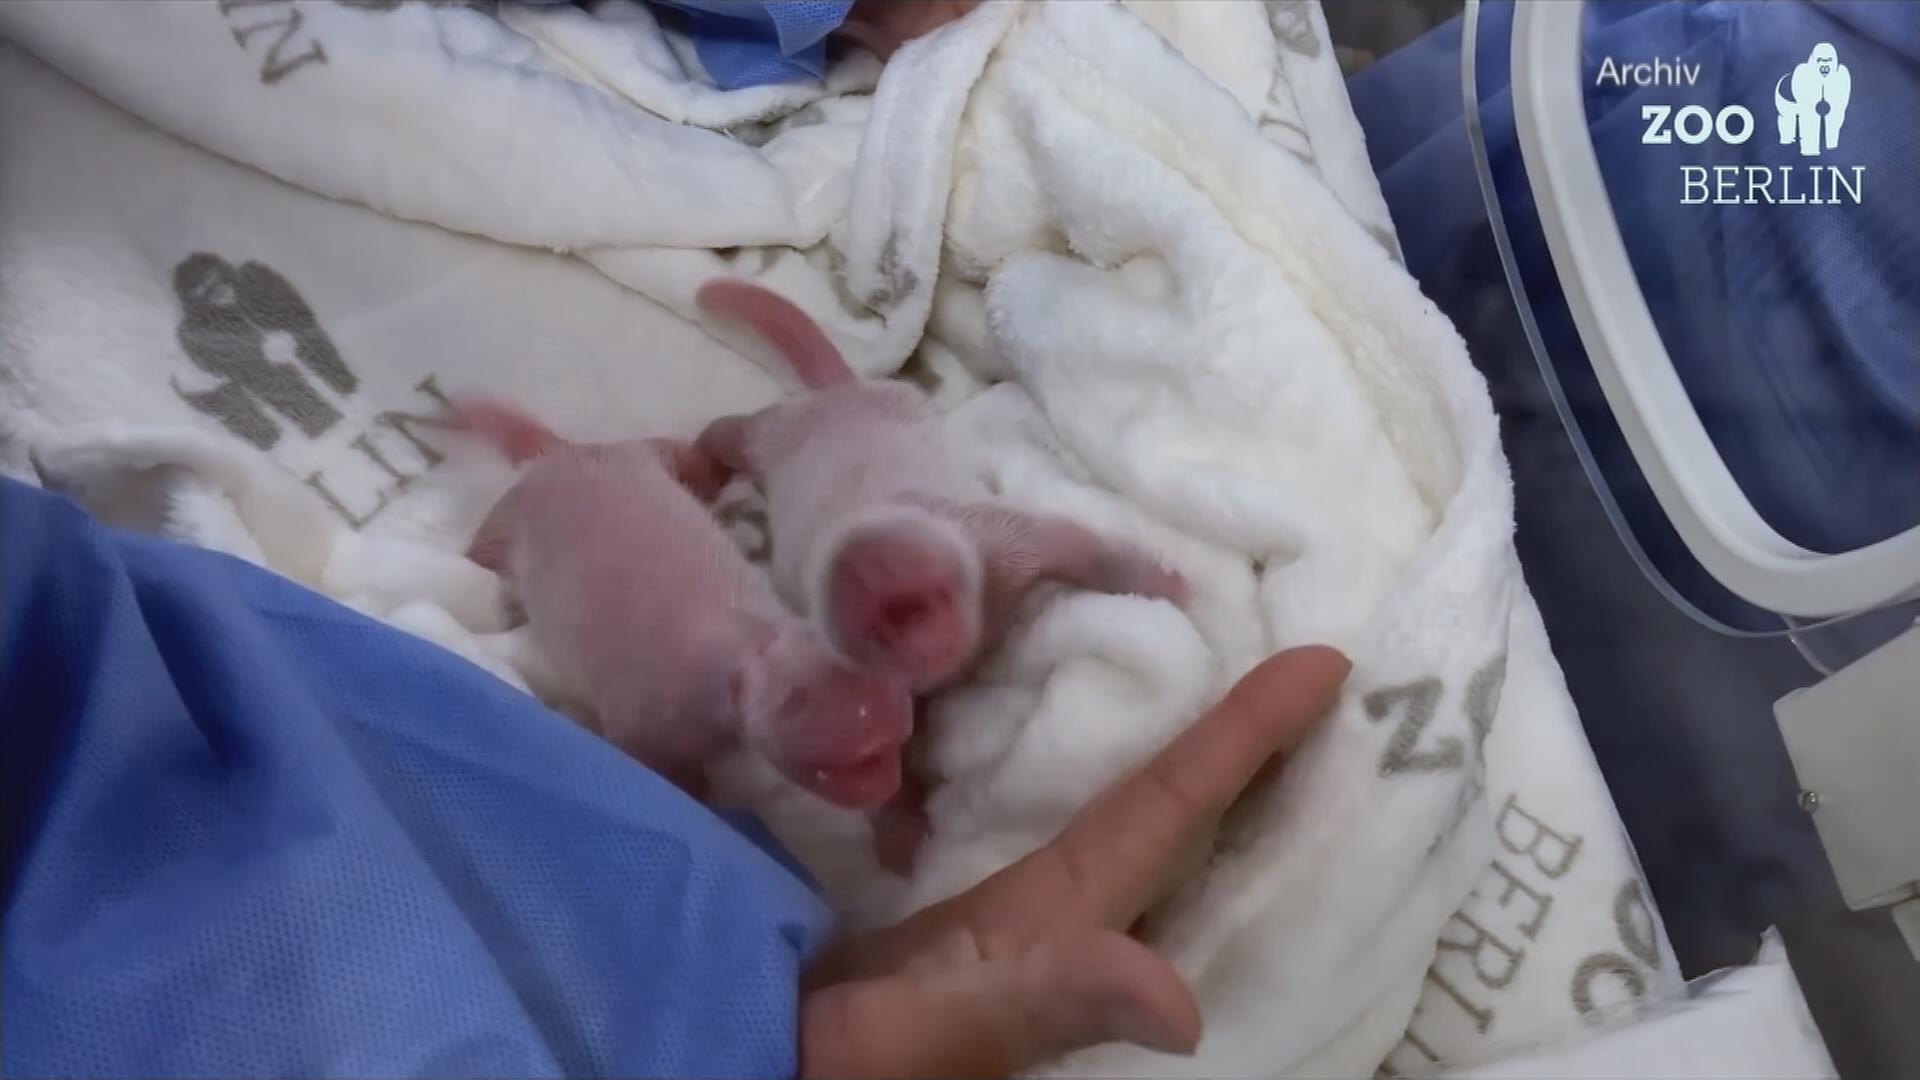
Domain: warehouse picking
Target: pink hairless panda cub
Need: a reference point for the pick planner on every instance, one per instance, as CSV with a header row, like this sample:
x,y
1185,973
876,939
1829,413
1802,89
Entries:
x,y
911,566
680,642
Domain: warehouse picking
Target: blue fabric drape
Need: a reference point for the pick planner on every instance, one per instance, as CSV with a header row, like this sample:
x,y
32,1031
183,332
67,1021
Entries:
x,y
252,833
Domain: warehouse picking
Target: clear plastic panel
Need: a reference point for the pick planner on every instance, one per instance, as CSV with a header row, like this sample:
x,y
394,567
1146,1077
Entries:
x,y
1790,323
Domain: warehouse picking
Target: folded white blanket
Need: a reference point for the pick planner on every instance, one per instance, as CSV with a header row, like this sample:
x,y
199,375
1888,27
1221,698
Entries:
x,y
1171,264
1747,1023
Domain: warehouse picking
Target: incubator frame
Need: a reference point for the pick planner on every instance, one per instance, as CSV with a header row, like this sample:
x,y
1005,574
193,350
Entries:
x,y
1699,495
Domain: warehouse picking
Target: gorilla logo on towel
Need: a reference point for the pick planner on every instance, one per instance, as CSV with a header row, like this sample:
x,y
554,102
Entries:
x,y
229,316
1821,87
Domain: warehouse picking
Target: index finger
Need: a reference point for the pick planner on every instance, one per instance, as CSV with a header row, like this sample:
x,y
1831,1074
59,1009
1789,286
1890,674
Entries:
x,y
1107,865
1117,850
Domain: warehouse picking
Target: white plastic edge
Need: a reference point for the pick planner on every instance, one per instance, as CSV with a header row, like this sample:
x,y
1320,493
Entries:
x,y
1707,508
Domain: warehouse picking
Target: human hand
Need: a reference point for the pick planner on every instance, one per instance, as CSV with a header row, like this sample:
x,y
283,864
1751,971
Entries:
x,y
1036,961
882,26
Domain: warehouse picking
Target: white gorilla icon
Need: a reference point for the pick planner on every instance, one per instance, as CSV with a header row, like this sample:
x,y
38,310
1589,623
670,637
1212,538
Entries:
x,y
1821,87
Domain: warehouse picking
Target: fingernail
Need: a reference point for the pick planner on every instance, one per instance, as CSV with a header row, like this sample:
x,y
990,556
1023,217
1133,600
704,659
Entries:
x,y
1145,1029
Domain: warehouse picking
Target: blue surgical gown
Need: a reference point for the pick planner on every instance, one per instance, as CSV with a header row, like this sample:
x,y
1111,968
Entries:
x,y
252,833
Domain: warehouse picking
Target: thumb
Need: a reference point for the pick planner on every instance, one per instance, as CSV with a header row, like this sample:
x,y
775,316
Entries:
x,y
980,1009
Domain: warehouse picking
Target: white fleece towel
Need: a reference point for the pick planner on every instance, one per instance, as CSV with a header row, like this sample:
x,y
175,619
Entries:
x,y
1208,350
1215,341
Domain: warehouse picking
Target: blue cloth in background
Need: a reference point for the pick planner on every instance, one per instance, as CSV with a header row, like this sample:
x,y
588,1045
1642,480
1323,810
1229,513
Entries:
x,y
1795,329
250,832
746,43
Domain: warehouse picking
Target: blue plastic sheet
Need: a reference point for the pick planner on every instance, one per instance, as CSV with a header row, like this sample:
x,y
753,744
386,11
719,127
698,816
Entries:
x,y
759,42
252,833
746,43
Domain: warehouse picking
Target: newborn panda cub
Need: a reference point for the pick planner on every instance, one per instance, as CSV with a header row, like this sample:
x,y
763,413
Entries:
x,y
685,651
912,568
